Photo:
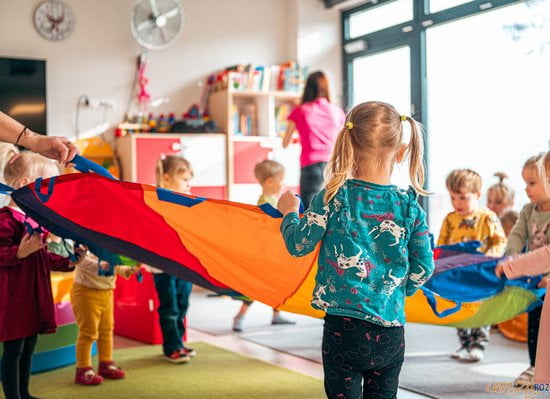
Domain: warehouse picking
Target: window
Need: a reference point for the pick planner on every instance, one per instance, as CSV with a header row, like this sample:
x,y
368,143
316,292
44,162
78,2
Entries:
x,y
439,5
380,17
487,99
477,80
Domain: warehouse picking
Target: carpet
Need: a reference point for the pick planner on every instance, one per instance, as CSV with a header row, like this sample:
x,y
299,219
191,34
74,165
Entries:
x,y
214,315
213,373
428,369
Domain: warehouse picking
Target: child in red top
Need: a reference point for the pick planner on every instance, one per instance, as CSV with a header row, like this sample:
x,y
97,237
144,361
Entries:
x,y
26,303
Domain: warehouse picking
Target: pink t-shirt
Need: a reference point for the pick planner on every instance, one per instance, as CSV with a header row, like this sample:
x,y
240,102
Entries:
x,y
318,122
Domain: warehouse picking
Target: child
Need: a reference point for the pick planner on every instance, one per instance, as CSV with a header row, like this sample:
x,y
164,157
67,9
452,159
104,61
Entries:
x,y
173,173
500,199
270,175
27,307
7,151
469,222
500,196
92,302
531,228
375,250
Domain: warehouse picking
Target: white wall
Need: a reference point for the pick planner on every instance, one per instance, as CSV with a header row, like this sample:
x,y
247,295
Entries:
x,y
99,58
319,41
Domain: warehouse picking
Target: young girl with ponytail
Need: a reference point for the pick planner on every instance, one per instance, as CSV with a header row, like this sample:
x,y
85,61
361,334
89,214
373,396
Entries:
x,y
375,250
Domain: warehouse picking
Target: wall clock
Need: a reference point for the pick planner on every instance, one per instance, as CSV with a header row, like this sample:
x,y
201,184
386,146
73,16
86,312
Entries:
x,y
54,20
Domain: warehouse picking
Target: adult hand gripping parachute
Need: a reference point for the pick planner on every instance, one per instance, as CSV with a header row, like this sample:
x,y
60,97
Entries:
x,y
237,249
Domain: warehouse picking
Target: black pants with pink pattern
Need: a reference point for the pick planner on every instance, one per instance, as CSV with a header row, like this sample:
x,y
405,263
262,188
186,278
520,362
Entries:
x,y
361,359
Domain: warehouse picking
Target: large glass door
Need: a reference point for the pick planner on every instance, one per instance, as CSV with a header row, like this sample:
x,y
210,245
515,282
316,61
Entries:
x,y
488,96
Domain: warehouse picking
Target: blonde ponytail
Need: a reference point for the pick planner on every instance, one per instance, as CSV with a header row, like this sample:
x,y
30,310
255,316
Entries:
x,y
416,161
341,163
159,172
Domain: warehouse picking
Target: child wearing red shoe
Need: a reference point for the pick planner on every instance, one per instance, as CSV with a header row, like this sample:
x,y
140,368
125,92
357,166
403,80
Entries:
x,y
92,302
174,173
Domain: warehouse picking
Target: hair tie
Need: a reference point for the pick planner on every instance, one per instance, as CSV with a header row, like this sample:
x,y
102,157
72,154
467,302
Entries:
x,y
349,125
403,118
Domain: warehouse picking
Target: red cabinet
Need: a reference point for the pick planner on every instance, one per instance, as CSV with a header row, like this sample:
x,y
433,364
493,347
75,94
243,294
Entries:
x,y
139,154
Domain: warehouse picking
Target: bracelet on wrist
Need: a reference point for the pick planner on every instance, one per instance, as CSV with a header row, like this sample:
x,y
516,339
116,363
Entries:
x,y
21,134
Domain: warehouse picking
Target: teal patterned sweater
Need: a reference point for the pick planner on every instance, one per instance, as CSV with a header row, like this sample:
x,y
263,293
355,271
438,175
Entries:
x,y
375,250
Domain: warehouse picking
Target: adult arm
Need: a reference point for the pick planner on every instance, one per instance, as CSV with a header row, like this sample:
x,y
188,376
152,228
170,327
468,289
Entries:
x,y
288,134
529,264
58,148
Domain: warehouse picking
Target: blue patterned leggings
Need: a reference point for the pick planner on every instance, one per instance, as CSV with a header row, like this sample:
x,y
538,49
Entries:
x,y
361,359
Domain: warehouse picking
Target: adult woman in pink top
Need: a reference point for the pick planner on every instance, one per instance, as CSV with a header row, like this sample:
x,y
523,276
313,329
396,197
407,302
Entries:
x,y
318,123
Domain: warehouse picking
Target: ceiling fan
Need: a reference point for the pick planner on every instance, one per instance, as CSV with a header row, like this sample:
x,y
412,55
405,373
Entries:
x,y
157,23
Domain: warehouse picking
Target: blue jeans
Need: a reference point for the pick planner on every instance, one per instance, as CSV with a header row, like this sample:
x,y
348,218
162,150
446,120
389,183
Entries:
x,y
174,300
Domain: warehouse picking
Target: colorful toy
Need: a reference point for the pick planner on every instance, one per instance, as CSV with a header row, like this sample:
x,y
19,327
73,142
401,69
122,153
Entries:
x,y
235,248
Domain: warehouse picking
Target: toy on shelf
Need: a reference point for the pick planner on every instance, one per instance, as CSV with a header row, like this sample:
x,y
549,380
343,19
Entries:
x,y
197,118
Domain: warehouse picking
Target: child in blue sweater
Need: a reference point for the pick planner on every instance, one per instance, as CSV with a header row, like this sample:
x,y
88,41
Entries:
x,y
375,250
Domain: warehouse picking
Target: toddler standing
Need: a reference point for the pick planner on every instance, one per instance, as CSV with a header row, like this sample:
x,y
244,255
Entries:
x,y
270,175
469,222
92,302
26,302
375,250
173,173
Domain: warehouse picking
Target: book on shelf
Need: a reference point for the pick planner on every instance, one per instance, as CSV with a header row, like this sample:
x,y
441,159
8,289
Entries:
x,y
288,76
244,119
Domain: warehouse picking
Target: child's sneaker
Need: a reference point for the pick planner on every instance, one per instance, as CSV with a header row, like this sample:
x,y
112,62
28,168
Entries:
x,y
281,320
178,357
476,354
238,322
526,378
188,351
461,353
110,371
87,376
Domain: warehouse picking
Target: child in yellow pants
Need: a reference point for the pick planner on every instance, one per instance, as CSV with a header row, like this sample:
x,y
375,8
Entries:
x,y
92,302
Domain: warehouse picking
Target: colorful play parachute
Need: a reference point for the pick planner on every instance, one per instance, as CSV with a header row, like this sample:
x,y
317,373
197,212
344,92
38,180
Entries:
x,y
237,249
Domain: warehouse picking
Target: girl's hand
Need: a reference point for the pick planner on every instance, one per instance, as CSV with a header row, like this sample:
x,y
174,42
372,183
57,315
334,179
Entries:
x,y
104,265
81,251
288,203
29,244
